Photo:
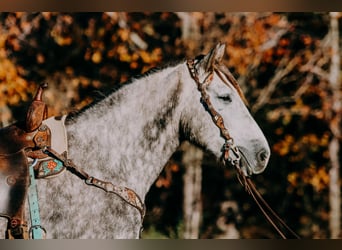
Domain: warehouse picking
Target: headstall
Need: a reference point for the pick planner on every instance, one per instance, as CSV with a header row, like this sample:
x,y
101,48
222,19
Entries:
x,y
229,146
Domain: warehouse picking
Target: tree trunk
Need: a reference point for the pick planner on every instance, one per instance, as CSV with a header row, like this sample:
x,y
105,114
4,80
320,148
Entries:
x,y
190,26
334,147
192,159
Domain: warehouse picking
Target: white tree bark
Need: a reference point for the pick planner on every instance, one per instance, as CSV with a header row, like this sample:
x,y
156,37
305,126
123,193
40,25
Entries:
x,y
190,27
334,147
192,206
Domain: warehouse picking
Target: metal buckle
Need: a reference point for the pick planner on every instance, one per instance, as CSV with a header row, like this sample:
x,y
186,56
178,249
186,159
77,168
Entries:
x,y
36,227
89,180
230,146
236,152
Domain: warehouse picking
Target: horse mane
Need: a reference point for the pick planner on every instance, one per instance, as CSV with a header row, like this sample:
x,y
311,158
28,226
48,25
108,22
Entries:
x,y
99,95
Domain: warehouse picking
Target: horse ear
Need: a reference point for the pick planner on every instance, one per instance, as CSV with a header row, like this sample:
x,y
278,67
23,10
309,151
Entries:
x,y
214,57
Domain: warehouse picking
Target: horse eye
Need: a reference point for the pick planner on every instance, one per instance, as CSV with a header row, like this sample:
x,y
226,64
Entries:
x,y
225,98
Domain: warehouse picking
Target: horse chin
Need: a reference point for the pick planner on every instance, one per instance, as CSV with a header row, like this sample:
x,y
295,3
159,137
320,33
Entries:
x,y
243,165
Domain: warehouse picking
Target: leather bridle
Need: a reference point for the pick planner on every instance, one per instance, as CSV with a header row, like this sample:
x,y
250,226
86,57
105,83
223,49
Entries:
x,y
229,146
216,117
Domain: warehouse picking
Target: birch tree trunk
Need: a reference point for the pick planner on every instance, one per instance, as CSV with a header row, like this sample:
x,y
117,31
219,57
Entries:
x,y
190,27
334,147
192,206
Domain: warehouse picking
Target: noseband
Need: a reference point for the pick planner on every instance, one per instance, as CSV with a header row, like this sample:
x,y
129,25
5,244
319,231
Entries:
x,y
229,146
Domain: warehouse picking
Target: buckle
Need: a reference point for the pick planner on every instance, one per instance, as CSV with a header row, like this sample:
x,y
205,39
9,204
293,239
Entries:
x,y
230,146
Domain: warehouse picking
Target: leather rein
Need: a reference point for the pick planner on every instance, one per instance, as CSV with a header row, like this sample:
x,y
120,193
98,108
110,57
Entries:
x,y
229,146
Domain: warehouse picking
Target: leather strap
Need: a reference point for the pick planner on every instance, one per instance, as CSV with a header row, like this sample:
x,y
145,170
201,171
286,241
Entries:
x,y
216,117
127,194
36,229
272,217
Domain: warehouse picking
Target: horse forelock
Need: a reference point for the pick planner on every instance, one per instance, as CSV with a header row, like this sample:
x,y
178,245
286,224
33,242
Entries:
x,y
220,67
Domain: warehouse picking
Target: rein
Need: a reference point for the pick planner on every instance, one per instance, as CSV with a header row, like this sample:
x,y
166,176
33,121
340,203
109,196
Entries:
x,y
272,217
229,146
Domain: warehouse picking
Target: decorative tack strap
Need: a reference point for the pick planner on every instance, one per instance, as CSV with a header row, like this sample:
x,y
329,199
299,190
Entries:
x,y
49,168
124,193
36,229
128,195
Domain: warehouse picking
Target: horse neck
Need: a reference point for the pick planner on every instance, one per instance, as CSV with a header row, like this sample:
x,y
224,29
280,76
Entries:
x,y
128,137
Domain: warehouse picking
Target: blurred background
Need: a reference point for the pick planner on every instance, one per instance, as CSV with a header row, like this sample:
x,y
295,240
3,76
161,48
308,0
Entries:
x,y
288,65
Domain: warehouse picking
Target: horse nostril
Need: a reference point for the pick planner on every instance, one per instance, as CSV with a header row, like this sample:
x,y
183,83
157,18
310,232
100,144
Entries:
x,y
262,155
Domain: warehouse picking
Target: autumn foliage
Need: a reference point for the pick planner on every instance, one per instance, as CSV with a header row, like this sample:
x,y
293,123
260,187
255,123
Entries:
x,y
281,61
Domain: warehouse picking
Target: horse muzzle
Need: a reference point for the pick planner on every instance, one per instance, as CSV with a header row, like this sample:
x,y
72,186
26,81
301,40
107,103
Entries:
x,y
253,162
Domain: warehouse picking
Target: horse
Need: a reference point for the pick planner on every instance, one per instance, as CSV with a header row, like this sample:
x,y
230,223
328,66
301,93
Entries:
x,y
128,137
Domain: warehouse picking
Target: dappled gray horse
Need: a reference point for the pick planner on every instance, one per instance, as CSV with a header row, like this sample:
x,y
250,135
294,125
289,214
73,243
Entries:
x,y
128,137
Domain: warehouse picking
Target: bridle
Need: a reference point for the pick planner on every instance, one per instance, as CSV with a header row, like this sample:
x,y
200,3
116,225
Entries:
x,y
229,145
216,117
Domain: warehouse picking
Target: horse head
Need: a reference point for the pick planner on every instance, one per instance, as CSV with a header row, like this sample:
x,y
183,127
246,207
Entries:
x,y
223,116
